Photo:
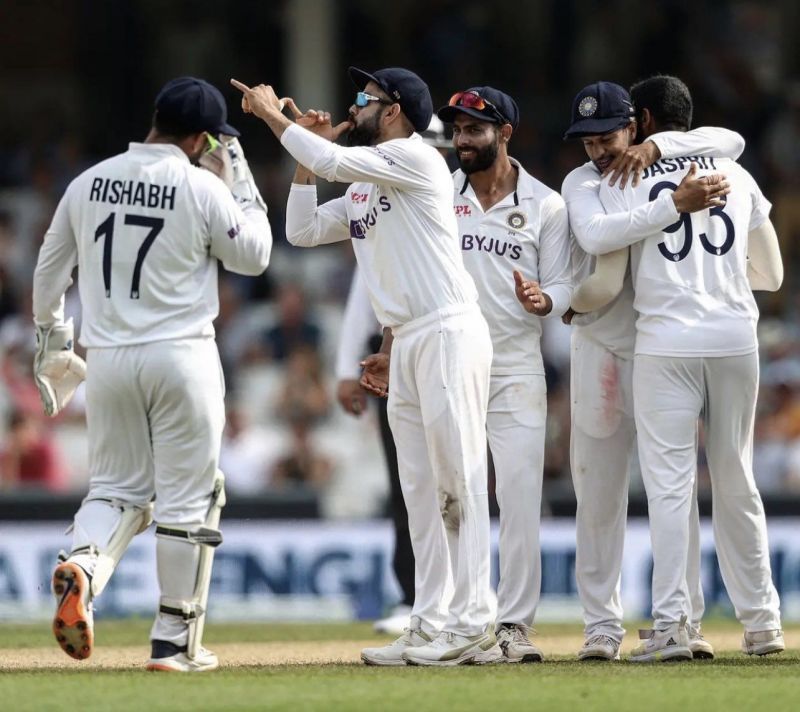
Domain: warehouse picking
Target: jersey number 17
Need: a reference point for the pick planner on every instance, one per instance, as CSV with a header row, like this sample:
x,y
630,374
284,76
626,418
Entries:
x,y
106,231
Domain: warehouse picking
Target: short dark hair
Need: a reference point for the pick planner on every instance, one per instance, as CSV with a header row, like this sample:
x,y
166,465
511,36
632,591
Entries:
x,y
167,127
668,100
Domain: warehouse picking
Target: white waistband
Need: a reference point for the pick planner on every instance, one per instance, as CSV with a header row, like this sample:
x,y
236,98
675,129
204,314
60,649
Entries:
x,y
435,317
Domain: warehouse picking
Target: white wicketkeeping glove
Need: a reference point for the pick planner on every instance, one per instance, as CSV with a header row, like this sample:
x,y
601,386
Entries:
x,y
243,186
57,370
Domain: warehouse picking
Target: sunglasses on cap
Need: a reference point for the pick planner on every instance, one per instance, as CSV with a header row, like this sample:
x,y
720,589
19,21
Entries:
x,y
473,100
362,99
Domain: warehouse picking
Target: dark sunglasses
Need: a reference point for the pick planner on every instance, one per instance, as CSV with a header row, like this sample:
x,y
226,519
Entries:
x,y
473,100
362,99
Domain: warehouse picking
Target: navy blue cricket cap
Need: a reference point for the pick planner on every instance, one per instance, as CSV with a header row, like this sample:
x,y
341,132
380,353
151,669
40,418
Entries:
x,y
404,87
195,105
502,109
599,109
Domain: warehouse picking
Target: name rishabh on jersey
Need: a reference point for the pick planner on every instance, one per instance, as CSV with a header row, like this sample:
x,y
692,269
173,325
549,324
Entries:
x,y
141,226
690,280
526,231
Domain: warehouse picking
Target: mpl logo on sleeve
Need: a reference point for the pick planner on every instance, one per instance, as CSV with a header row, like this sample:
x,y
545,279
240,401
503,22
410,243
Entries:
x,y
462,210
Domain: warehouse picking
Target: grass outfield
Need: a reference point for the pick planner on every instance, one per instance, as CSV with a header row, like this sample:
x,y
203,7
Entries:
x,y
325,674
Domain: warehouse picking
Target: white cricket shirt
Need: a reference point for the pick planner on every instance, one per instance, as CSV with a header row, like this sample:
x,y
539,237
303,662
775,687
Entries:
x,y
690,279
145,229
527,231
595,232
398,212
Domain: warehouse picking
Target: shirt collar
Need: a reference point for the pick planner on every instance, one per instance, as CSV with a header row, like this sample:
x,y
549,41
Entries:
x,y
165,149
523,190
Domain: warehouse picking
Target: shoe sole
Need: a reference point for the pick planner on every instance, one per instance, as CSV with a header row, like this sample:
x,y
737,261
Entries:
x,y
527,658
767,650
664,656
702,655
72,625
382,663
161,667
598,656
473,657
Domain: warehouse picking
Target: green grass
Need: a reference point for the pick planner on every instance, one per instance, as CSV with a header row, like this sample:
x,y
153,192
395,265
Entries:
x,y
730,683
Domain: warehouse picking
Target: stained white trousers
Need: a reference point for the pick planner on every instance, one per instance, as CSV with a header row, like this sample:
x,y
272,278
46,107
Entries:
x,y
438,396
602,439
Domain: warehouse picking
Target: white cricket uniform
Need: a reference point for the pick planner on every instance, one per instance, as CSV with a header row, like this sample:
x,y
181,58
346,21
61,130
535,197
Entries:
x,y
358,325
696,355
602,429
399,214
527,231
146,229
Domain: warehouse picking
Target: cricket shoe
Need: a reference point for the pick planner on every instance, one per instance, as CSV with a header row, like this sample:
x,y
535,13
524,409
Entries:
x,y
599,647
515,644
395,623
392,654
168,657
671,643
450,649
700,647
763,642
73,623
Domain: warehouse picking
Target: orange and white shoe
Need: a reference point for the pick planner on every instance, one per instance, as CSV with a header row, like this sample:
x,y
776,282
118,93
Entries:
x,y
73,623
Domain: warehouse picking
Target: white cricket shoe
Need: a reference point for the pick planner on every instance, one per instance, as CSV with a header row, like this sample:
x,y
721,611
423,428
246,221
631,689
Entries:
x,y
450,649
73,623
763,642
392,654
599,647
168,657
515,644
700,647
395,623
671,643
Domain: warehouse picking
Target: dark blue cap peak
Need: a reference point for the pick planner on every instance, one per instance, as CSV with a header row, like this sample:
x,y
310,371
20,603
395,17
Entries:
x,y
404,87
600,108
195,105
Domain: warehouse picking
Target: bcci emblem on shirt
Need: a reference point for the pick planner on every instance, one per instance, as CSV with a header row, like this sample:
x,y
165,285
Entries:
x,y
516,220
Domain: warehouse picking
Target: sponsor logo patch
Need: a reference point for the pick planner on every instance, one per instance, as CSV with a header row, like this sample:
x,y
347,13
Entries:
x,y
462,210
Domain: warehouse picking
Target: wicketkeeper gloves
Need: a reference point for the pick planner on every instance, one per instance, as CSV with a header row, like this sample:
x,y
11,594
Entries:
x,y
243,186
57,370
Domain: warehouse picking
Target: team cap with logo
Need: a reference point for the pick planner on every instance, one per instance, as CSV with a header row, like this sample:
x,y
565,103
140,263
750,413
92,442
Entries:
x,y
599,109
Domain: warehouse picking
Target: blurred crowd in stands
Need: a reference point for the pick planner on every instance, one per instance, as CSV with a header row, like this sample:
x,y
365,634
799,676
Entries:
x,y
278,333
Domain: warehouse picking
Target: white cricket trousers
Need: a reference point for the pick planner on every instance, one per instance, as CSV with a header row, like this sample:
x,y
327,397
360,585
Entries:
x,y
438,395
602,439
515,426
671,394
155,415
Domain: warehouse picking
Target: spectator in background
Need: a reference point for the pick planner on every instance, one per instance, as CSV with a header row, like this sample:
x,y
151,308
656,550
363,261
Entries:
x,y
304,392
29,457
294,328
247,453
301,467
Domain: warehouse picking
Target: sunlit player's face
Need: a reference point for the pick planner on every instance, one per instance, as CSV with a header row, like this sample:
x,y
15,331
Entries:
x,y
476,143
602,149
366,120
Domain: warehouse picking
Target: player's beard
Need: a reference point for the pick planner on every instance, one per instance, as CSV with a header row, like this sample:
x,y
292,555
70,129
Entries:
x,y
483,158
366,133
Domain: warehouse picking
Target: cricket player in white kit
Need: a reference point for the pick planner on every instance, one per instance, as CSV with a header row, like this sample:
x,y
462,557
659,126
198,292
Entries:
x,y
696,356
398,211
146,229
603,432
509,223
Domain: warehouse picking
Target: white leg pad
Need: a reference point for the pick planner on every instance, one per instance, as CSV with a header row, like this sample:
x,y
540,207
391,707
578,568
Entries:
x,y
185,556
102,532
